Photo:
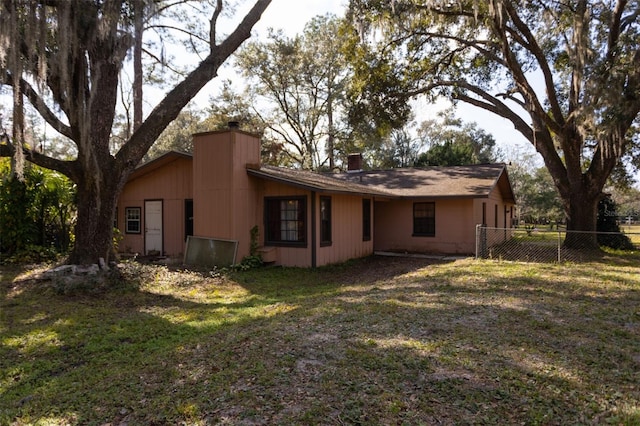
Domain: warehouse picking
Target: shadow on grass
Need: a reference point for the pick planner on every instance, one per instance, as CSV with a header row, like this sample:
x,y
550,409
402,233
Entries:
x,y
97,356
375,341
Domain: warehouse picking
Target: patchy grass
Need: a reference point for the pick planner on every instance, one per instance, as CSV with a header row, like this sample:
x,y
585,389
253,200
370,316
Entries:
x,y
374,341
633,232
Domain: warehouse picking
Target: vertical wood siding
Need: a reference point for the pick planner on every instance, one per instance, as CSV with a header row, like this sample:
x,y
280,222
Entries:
x,y
455,228
346,229
224,196
171,183
346,224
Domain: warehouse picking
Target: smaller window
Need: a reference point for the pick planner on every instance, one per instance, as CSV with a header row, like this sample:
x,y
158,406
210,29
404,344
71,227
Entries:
x,y
495,216
366,219
132,220
325,221
424,219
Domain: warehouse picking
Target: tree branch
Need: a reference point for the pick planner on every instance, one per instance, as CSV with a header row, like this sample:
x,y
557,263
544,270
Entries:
x,y
169,107
534,48
67,168
213,23
180,30
38,103
160,61
475,44
614,29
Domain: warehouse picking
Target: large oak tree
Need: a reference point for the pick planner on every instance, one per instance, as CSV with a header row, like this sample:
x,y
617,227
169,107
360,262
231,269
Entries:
x,y
64,57
565,73
303,80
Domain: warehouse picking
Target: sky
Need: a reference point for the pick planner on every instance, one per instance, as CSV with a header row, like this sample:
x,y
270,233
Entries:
x,y
292,15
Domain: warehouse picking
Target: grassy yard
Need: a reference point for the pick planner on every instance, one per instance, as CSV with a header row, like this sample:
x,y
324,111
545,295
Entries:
x,y
374,341
633,232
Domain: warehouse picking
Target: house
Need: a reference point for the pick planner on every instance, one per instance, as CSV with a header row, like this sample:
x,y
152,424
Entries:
x,y
305,218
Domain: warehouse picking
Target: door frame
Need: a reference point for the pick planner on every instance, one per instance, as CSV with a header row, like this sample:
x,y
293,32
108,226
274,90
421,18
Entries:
x,y
146,202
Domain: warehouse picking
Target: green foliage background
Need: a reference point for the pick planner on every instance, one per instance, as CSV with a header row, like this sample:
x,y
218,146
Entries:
x,y
36,213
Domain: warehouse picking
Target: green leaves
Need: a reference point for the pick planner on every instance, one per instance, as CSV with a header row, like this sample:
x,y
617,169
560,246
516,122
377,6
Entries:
x,y
36,212
566,75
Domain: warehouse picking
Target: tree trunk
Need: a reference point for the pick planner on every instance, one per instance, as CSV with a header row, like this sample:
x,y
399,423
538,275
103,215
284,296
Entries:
x,y
137,64
582,214
330,140
94,225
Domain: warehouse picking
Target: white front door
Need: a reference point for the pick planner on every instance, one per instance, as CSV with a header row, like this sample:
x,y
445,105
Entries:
x,y
153,227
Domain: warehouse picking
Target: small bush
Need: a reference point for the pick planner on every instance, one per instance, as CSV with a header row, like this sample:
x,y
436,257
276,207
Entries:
x,y
33,254
610,234
249,262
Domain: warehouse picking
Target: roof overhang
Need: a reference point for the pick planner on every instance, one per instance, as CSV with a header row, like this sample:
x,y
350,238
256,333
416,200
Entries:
x,y
324,184
157,163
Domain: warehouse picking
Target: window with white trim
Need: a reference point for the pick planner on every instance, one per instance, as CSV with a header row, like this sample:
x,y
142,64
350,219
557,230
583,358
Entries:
x,y
132,219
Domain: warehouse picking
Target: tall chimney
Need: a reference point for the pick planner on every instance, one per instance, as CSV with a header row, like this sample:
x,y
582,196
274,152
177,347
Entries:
x,y
354,163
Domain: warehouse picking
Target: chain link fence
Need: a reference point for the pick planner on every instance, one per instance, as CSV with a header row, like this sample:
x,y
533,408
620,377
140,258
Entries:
x,y
546,245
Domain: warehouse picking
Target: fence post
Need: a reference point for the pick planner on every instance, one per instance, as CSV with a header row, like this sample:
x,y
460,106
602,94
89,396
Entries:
x,y
481,241
559,245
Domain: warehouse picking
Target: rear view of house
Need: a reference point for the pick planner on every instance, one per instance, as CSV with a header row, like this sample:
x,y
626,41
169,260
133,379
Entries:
x,y
305,218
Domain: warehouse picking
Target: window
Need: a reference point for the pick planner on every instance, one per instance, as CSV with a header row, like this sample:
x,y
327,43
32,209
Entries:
x,y
484,214
285,221
495,216
132,220
366,219
424,219
325,221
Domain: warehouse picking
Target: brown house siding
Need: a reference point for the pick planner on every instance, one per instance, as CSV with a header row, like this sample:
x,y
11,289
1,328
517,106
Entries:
x,y
495,203
346,220
346,224
455,228
171,184
225,201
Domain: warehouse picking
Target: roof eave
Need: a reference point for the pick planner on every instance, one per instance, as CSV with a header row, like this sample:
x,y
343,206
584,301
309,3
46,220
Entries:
x,y
309,187
156,163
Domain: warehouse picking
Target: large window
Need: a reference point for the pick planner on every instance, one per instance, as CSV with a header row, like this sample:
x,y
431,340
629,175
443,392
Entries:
x,y
325,221
424,219
132,220
285,220
366,219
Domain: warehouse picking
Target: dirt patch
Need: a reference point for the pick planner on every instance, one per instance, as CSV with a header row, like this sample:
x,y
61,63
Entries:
x,y
381,268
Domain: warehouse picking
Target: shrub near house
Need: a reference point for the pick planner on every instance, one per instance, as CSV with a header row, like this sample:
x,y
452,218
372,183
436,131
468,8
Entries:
x,y
36,214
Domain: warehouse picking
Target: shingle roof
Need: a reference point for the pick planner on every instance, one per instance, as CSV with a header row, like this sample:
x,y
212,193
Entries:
x,y
475,181
315,181
472,181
